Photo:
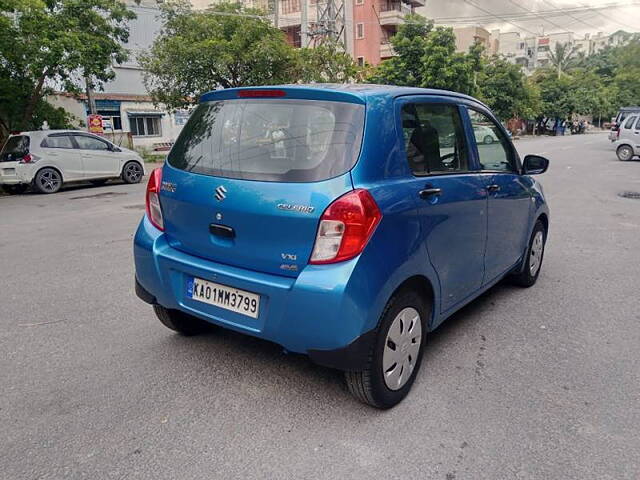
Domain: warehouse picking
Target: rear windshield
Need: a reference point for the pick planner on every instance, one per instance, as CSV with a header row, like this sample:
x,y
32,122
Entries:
x,y
15,148
273,140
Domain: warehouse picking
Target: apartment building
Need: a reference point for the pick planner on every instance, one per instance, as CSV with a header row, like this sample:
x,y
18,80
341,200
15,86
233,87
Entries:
x,y
466,37
374,23
535,51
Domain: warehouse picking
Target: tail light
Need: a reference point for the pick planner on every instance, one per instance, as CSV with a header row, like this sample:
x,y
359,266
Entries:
x,y
345,227
154,211
28,158
618,134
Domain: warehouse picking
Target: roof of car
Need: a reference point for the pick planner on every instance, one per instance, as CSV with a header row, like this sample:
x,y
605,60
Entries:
x,y
357,92
49,132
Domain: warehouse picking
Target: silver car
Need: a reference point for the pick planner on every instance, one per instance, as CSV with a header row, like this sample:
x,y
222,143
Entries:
x,y
627,142
47,159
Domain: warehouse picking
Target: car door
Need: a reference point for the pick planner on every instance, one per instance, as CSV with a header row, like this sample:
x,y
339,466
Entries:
x,y
451,199
509,197
98,158
60,151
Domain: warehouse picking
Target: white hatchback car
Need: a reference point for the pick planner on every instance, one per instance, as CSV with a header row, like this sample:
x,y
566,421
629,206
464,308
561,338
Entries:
x,y
627,142
47,159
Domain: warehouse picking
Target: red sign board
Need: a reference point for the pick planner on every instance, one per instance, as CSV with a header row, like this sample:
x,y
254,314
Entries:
x,y
543,41
95,124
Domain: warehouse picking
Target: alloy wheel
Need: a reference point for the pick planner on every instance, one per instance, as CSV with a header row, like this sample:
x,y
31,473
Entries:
x,y
133,173
401,348
49,180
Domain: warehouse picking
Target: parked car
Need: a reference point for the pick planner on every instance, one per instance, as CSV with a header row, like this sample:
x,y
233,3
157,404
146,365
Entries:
x,y
485,134
288,214
622,115
627,142
48,159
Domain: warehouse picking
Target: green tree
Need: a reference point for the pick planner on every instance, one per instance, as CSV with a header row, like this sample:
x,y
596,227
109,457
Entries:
x,y
55,43
504,87
426,57
226,46
563,56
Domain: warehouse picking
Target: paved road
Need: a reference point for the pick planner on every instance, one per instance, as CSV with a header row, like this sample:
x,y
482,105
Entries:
x,y
522,384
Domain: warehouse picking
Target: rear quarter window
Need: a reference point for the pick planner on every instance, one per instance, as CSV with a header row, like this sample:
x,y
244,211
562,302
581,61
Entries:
x,y
272,140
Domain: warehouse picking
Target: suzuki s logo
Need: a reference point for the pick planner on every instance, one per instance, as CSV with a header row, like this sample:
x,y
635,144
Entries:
x,y
221,193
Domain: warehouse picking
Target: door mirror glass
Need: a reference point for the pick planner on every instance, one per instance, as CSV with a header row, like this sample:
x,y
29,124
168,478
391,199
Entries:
x,y
535,165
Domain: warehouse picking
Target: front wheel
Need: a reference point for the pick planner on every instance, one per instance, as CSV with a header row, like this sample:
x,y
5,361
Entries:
x,y
624,152
180,322
395,357
533,259
132,172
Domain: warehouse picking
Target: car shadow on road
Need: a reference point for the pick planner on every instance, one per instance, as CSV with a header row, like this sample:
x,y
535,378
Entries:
x,y
243,359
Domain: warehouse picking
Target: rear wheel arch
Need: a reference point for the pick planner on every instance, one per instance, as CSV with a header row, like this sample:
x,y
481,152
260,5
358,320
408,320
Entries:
x,y
423,286
52,168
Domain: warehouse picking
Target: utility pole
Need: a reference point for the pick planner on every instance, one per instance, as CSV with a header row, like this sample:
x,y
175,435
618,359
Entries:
x,y
330,24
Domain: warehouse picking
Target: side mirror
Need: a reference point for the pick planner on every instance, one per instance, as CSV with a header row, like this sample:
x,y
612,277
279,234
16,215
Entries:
x,y
535,165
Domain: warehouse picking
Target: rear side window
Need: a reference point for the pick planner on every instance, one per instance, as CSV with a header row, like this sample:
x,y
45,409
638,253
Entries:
x,y
434,138
273,140
57,141
15,148
629,122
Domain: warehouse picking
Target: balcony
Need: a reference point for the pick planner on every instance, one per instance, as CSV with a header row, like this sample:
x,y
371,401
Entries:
x,y
386,50
393,13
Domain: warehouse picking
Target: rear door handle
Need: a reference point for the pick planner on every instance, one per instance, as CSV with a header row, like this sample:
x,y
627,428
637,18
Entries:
x,y
493,188
428,192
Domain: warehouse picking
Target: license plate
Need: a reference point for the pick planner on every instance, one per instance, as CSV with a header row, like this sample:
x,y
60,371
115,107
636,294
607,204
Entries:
x,y
233,299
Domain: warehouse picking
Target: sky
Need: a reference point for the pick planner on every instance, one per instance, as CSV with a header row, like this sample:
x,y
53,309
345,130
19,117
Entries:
x,y
579,16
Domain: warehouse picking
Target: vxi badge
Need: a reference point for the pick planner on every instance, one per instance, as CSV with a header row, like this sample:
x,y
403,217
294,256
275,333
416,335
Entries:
x,y
296,208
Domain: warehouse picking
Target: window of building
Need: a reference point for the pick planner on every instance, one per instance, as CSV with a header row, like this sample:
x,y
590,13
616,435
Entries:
x,y
359,2
145,126
359,30
361,61
434,138
494,151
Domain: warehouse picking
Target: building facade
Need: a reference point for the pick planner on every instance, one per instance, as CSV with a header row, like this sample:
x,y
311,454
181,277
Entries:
x,y
466,37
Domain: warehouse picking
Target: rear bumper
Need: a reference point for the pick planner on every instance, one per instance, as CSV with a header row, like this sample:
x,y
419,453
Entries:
x,y
15,174
320,313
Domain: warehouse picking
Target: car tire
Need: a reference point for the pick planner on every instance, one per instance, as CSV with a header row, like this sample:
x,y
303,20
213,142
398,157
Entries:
x,y
624,153
132,172
404,319
15,189
48,180
488,140
533,259
180,322
98,183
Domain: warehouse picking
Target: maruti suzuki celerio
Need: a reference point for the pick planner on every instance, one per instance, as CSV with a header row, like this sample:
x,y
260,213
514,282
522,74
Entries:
x,y
342,222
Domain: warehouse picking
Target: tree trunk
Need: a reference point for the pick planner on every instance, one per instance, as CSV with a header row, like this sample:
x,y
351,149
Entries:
x,y
33,101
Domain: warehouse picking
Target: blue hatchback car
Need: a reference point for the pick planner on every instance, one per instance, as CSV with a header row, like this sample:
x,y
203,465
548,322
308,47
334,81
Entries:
x,y
342,222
